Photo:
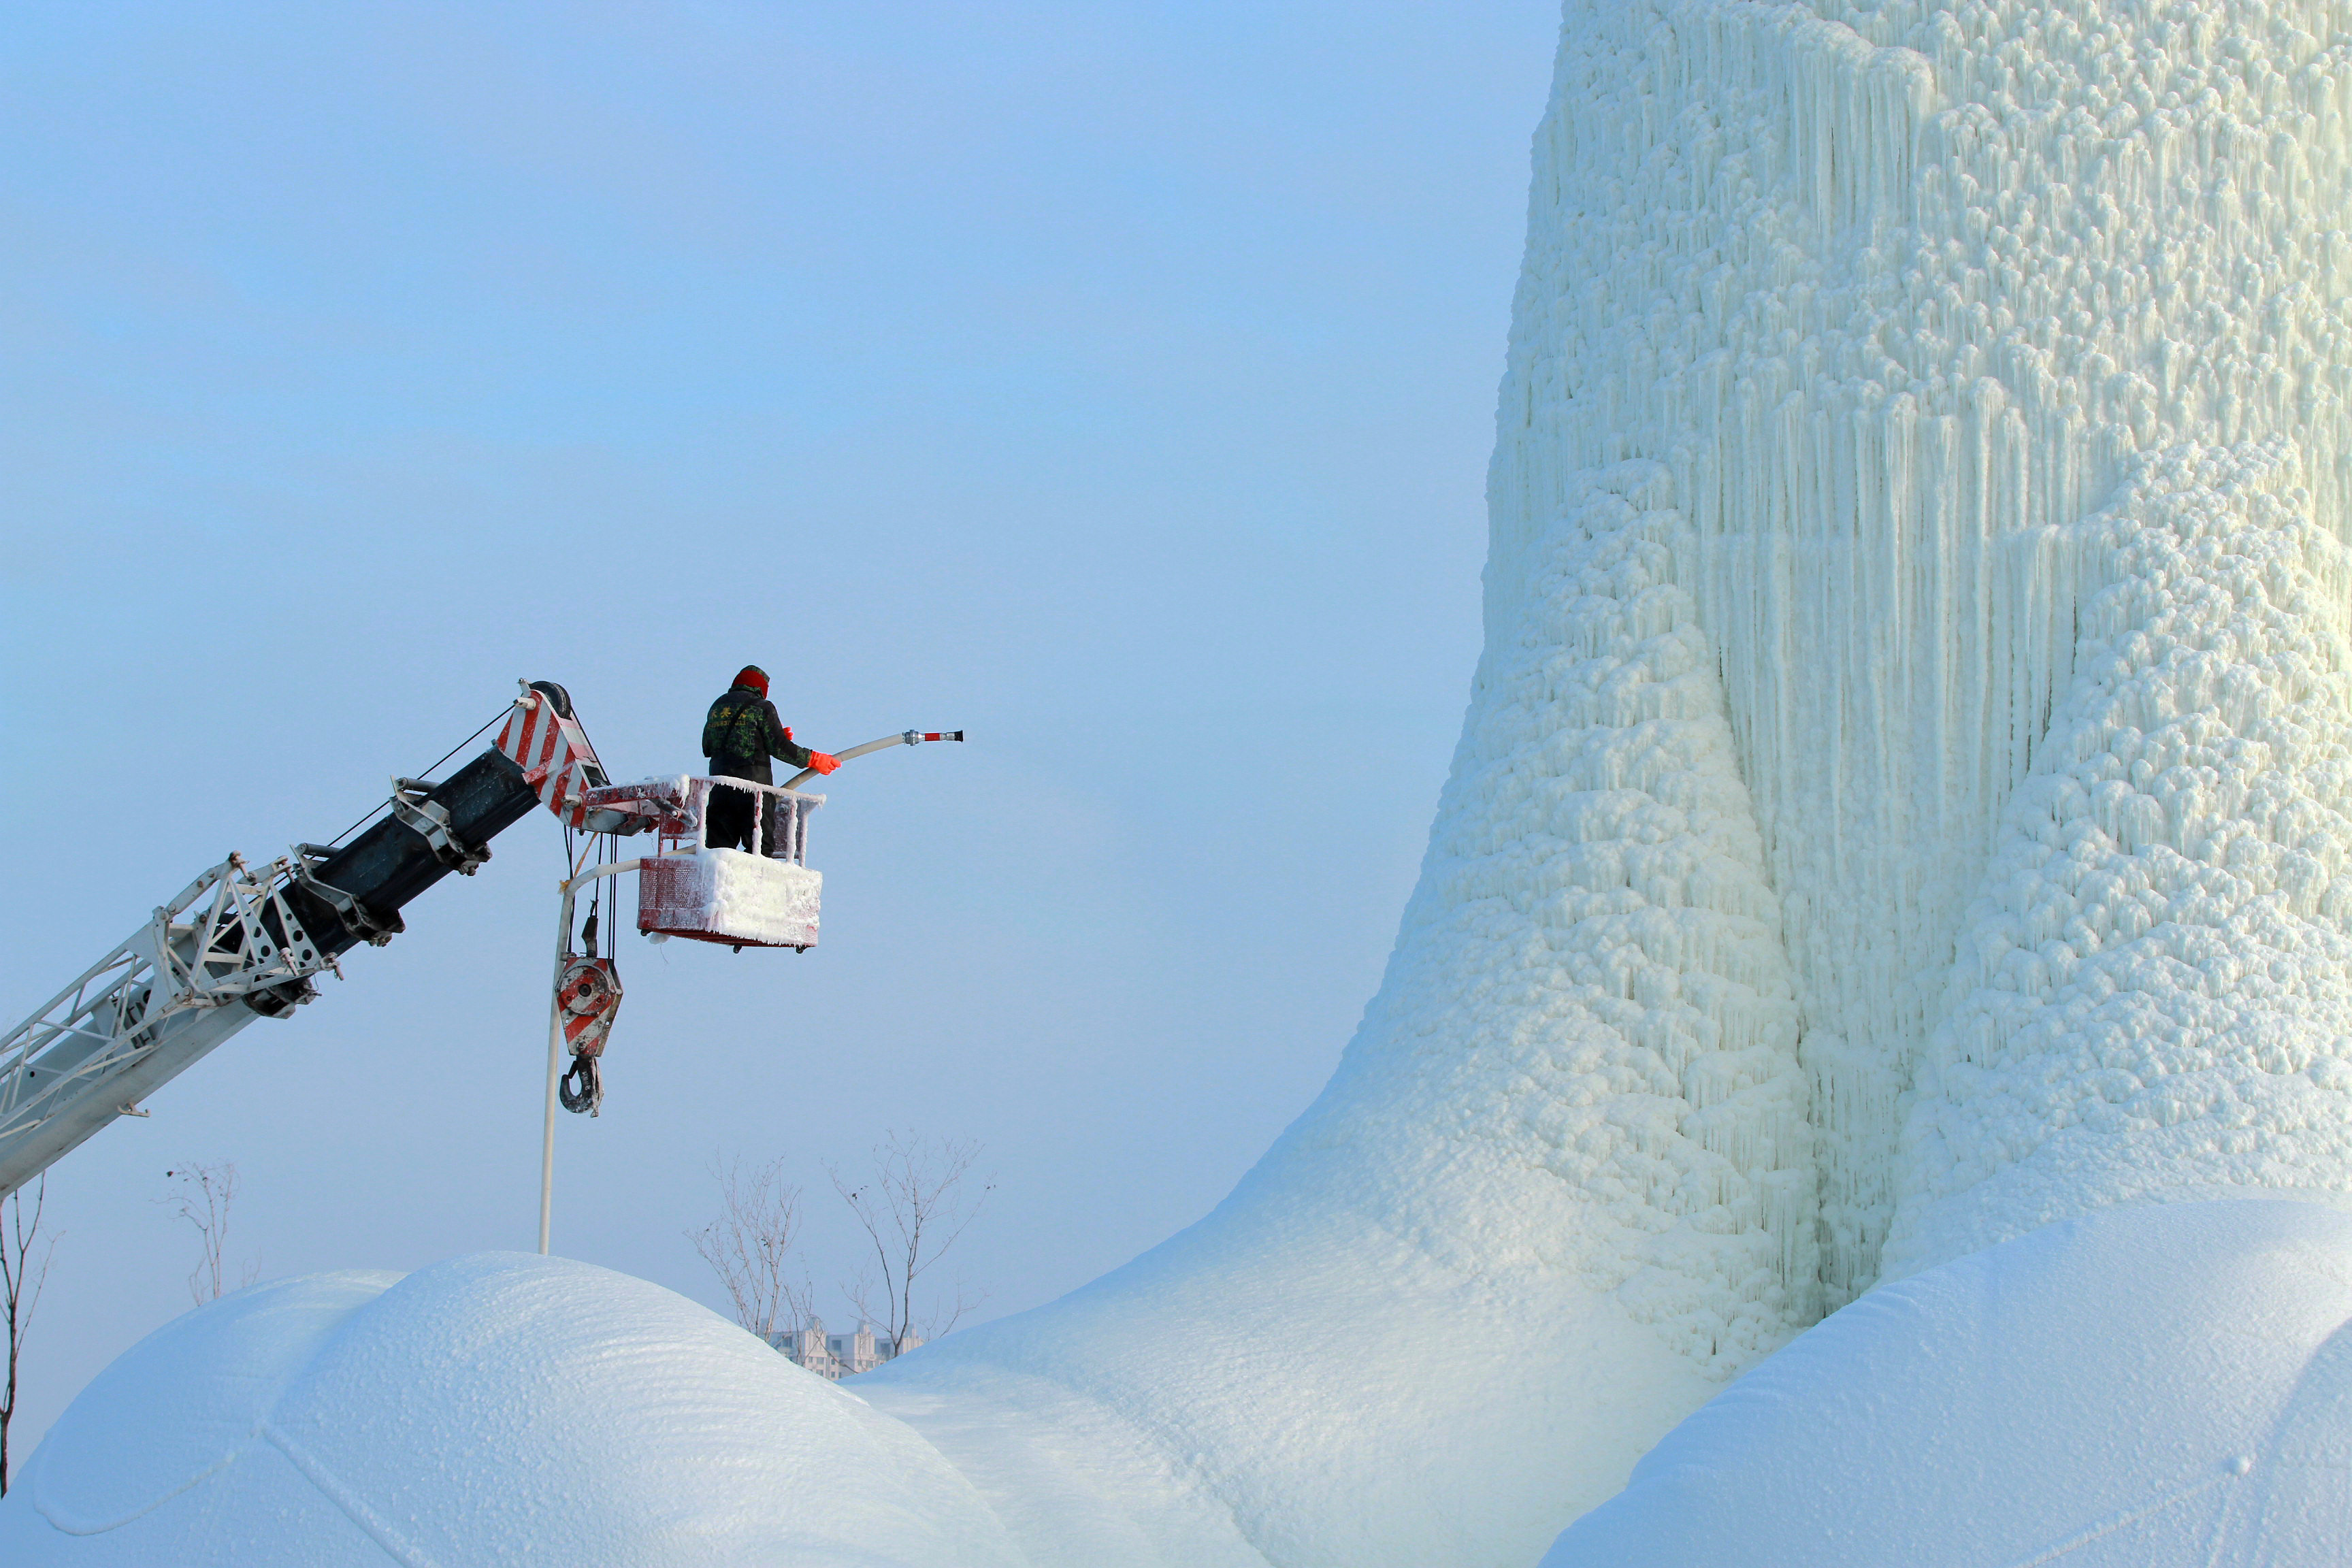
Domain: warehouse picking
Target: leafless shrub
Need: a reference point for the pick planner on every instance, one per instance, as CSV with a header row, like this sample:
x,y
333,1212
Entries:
x,y
750,1248
914,1206
24,1258
204,1197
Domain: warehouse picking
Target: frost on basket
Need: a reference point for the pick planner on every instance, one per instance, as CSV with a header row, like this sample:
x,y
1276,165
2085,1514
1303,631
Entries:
x,y
740,897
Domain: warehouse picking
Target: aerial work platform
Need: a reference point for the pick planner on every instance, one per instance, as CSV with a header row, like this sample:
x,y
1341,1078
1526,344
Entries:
x,y
765,897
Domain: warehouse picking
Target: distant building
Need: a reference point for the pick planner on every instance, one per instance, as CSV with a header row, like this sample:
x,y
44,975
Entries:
x,y
839,1355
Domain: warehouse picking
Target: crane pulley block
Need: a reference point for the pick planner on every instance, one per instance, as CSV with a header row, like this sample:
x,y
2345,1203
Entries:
x,y
587,999
545,740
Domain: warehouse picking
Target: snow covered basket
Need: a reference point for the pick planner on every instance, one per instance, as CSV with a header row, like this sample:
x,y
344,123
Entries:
x,y
760,895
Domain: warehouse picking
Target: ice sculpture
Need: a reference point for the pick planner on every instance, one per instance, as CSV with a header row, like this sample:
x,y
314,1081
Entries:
x,y
1902,801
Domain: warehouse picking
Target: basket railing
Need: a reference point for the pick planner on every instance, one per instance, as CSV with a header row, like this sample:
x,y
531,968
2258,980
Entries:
x,y
678,810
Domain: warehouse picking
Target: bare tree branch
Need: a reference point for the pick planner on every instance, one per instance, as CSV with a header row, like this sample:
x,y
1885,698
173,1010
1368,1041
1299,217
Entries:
x,y
861,1289
203,1199
914,1208
22,1280
750,1248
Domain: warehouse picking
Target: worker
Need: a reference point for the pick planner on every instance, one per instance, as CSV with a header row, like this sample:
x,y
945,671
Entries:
x,y
740,737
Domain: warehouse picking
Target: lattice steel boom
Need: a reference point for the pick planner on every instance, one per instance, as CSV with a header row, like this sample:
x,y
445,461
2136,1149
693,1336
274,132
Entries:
x,y
241,943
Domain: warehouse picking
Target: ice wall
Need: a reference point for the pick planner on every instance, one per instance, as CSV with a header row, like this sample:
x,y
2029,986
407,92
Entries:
x,y
1731,206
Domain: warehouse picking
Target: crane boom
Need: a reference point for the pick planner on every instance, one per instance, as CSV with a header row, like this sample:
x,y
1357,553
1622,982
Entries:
x,y
238,943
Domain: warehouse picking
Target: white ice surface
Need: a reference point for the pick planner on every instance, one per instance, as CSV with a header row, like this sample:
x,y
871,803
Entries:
x,y
2157,1385
1989,362
2155,987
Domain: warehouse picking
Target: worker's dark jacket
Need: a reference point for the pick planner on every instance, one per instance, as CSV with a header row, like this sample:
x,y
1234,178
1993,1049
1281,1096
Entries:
x,y
742,732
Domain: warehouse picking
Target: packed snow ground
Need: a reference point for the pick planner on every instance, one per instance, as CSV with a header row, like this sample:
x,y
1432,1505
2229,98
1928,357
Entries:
x,y
1904,801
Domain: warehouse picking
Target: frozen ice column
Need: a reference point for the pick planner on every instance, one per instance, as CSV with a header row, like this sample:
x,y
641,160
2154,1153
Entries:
x,y
1903,403
1732,274
2136,233
1908,299
1559,1188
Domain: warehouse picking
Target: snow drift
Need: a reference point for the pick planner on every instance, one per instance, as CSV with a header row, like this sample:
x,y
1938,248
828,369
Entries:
x,y
1903,800
2150,1385
503,1409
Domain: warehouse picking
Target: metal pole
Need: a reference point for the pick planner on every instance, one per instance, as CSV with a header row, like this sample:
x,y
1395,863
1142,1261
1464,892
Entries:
x,y
554,1073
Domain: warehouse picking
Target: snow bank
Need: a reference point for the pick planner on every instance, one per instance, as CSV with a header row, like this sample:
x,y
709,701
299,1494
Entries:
x,y
502,1409
2160,1383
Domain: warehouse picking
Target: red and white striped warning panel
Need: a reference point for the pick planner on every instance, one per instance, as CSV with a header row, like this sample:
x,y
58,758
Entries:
x,y
554,754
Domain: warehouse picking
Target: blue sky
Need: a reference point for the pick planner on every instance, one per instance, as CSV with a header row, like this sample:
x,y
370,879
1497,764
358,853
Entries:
x,y
1113,380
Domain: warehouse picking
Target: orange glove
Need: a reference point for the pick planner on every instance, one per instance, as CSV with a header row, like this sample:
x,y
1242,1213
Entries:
x,y
824,762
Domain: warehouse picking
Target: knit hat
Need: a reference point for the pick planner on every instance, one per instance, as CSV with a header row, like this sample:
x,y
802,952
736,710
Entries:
x,y
753,675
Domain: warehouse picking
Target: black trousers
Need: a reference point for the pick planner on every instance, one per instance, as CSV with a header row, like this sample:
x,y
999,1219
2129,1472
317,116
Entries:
x,y
731,820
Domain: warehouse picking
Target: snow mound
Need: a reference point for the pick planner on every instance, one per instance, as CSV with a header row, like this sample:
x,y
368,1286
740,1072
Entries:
x,y
2160,1383
500,1408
